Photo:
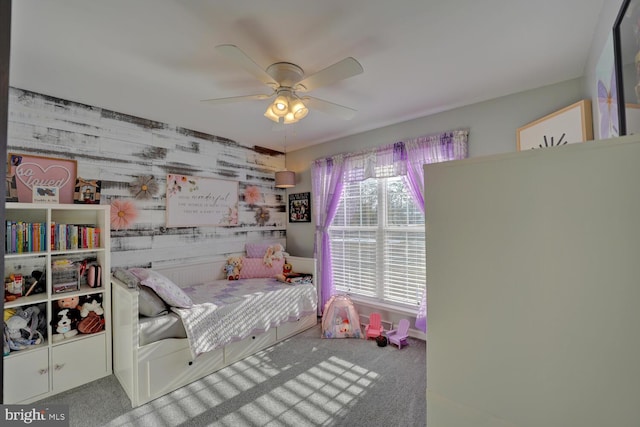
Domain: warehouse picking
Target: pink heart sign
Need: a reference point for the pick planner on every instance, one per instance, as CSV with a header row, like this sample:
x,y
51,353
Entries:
x,y
30,175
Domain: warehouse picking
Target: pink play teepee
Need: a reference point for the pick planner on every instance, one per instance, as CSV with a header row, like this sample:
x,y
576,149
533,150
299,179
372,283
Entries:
x,y
340,318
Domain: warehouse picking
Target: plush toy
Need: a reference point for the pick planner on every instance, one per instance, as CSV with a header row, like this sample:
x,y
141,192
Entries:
x,y
274,252
91,306
228,269
91,324
22,328
64,323
236,264
70,302
287,269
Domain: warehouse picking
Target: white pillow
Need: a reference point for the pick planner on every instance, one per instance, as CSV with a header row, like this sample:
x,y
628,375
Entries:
x,y
165,288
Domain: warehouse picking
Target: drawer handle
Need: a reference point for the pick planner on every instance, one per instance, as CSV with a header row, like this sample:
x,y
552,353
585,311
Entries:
x,y
58,367
253,338
190,362
43,371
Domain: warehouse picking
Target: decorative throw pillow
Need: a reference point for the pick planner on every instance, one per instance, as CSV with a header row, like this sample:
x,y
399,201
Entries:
x,y
126,277
257,250
165,288
255,267
150,304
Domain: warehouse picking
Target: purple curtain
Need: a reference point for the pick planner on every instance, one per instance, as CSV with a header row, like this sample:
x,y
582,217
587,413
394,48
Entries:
x,y
326,184
403,158
431,149
425,150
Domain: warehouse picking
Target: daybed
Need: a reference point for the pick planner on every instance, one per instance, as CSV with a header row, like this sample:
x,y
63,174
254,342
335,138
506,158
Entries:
x,y
149,366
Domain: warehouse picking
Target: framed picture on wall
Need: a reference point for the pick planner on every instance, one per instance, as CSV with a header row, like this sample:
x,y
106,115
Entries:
x,y
25,172
300,207
566,126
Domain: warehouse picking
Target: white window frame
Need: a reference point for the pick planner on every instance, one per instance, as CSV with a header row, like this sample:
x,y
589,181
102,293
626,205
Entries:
x,y
380,233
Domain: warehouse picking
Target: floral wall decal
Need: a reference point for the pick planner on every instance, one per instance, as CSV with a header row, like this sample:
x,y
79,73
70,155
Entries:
x,y
144,187
123,214
252,195
262,216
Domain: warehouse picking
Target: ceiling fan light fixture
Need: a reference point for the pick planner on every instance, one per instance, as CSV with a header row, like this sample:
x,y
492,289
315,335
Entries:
x,y
271,116
280,105
298,109
290,119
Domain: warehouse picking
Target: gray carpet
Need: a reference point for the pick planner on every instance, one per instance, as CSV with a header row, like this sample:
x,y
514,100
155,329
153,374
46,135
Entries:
x,y
304,381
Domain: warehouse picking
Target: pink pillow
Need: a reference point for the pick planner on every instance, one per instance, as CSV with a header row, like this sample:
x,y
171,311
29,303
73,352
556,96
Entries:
x,y
257,250
255,267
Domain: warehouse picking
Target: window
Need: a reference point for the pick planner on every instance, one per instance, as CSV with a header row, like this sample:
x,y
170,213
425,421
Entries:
x,y
378,242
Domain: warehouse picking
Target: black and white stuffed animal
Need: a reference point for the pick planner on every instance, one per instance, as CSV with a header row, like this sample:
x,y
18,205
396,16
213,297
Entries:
x,y
64,324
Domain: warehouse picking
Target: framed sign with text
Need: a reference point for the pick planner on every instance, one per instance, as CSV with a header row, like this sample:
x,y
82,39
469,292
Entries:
x,y
196,201
26,173
300,207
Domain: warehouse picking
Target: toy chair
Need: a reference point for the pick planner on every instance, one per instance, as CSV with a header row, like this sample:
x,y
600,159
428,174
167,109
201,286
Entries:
x,y
374,328
399,336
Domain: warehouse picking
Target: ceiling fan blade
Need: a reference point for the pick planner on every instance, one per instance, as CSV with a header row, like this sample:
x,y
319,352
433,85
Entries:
x,y
327,107
341,70
234,54
237,98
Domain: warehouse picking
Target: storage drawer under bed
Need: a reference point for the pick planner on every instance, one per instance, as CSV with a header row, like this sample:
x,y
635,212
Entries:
x,y
173,370
291,328
253,343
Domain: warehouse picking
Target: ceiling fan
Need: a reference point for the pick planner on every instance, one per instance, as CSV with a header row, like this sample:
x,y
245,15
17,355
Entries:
x,y
286,80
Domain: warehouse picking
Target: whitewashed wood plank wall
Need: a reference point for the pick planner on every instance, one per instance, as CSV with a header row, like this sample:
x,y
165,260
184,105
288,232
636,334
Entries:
x,y
116,148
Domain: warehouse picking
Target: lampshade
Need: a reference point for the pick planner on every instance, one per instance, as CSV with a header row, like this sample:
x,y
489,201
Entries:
x,y
285,179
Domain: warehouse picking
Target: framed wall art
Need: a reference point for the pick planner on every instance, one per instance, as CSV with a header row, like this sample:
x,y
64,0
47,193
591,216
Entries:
x,y
300,207
26,172
626,50
196,201
566,126
87,191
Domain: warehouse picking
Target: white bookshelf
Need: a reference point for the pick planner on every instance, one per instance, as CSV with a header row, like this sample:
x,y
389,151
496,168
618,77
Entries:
x,y
52,367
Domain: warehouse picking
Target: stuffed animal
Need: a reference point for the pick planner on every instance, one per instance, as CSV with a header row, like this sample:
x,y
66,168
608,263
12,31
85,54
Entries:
x,y
274,252
21,329
91,306
228,269
287,269
91,324
70,302
236,264
64,324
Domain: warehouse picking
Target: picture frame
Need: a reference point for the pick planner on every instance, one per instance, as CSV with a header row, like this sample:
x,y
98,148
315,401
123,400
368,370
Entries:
x,y
26,171
626,51
197,201
87,191
568,125
300,207
43,194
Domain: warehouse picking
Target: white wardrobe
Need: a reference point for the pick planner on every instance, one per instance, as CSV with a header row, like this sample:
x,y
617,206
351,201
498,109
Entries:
x,y
533,288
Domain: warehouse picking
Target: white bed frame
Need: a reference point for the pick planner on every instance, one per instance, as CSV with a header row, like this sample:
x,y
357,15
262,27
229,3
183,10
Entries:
x,y
153,370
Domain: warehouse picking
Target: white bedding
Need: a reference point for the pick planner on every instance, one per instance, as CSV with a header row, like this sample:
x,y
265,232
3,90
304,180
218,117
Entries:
x,y
228,310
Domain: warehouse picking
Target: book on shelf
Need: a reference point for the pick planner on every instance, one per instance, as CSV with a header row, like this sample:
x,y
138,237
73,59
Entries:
x,y
23,237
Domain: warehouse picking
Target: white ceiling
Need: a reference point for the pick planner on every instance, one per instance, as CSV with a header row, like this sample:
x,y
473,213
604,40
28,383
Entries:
x,y
155,58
